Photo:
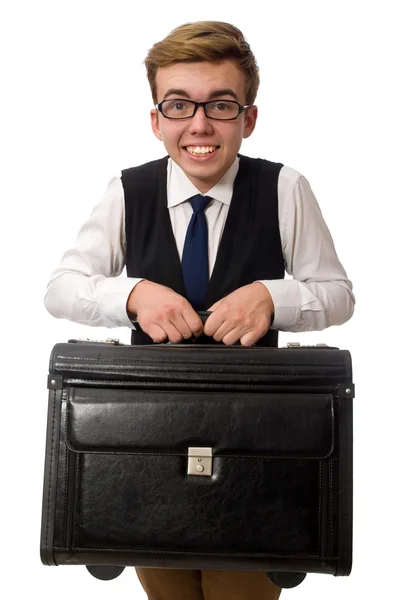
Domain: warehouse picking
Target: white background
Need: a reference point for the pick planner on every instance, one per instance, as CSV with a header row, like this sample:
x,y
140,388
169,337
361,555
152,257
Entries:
x,y
75,110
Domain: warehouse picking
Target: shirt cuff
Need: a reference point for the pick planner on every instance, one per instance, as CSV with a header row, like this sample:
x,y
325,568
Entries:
x,y
287,303
113,296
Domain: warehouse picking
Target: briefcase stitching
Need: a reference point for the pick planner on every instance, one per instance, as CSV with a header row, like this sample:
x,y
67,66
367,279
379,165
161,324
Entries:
x,y
184,454
66,494
265,386
66,467
202,367
320,493
330,507
53,399
141,361
315,557
76,511
75,540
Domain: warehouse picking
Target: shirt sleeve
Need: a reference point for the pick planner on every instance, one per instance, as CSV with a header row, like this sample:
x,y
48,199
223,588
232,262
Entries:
x,y
85,288
319,294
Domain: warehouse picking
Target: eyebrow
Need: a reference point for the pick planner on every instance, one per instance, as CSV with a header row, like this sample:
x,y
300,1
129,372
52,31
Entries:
x,y
214,94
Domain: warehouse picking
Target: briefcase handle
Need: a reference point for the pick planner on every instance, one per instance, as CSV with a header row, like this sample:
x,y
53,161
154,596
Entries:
x,y
204,314
204,339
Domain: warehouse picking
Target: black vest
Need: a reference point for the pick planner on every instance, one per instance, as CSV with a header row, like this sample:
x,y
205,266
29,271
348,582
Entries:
x,y
250,248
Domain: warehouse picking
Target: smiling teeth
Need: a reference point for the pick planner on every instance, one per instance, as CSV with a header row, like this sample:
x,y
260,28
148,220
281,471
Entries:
x,y
200,150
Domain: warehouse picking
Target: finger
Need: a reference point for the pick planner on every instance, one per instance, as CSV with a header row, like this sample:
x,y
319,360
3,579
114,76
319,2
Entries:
x,y
156,332
173,334
232,336
182,326
252,335
214,322
230,325
193,321
223,330
250,338
164,332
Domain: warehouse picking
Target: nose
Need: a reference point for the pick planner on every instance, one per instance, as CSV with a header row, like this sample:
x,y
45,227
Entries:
x,y
200,123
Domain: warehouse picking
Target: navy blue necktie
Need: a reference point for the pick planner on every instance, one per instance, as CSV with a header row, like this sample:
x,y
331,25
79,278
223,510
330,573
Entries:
x,y
195,254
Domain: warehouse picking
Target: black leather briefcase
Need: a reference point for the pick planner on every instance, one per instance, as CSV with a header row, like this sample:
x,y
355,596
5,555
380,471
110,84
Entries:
x,y
212,457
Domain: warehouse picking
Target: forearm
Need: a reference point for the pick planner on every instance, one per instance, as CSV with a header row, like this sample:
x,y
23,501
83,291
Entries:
x,y
86,287
310,306
95,300
319,294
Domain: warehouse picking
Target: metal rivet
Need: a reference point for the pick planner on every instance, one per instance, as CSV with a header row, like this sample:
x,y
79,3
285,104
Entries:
x,y
53,382
348,391
200,468
199,459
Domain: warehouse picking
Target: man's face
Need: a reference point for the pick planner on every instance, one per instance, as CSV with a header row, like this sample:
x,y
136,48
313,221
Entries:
x,y
202,81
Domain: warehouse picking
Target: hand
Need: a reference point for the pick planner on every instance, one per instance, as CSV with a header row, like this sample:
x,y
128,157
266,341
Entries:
x,y
162,313
243,315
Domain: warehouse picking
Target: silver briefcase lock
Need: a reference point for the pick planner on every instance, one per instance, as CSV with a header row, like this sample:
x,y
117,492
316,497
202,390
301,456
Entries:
x,y
199,462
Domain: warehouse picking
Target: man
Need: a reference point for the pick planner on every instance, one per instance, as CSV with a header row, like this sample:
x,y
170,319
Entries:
x,y
204,228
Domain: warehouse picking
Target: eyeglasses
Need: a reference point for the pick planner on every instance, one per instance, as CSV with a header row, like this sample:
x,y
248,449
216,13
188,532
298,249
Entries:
x,y
221,110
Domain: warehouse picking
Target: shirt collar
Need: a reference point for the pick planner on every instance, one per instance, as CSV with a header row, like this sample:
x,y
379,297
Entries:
x,y
180,188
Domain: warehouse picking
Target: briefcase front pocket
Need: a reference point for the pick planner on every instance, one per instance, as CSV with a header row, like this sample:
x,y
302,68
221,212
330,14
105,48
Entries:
x,y
133,478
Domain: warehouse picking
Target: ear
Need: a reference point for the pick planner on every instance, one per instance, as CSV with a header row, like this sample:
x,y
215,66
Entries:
x,y
250,117
154,116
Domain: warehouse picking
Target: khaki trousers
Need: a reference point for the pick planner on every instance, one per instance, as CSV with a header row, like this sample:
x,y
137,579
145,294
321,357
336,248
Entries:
x,y
184,584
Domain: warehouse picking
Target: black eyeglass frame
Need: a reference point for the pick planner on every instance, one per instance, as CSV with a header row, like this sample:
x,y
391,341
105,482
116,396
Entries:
x,y
197,105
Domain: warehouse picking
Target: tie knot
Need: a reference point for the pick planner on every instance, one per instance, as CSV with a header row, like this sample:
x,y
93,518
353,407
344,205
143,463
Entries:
x,y
199,203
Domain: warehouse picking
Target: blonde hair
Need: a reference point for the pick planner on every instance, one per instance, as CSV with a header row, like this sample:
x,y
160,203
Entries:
x,y
211,41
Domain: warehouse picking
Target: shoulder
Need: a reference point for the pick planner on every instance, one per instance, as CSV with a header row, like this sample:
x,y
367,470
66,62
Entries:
x,y
295,193
290,177
259,164
147,169
287,175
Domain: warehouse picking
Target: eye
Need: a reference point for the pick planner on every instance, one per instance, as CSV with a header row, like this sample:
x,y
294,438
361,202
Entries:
x,y
222,106
178,105
223,109
177,108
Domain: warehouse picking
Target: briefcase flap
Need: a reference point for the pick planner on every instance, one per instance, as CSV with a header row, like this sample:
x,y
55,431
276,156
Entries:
x,y
161,422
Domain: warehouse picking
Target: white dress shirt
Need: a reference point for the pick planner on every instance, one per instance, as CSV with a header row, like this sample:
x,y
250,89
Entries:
x,y
86,287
